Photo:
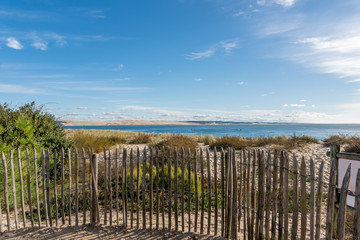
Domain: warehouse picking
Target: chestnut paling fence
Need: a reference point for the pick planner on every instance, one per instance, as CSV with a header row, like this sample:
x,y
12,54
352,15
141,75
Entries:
x,y
234,194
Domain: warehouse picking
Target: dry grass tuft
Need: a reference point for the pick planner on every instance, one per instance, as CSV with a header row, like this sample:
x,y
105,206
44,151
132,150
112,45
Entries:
x,y
178,141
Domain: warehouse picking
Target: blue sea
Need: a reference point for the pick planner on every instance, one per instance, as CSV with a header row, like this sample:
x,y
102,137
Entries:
x,y
318,131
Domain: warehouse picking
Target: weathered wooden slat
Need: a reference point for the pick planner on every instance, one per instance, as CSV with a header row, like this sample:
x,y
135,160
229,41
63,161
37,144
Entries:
x,y
189,188
14,187
157,180
268,196
70,197
110,188
245,203
295,217
28,188
151,190
332,194
342,204
137,188
95,215
196,193
256,206
303,199
319,201
240,183
286,197
202,192
44,187
222,166
209,190
169,189
215,192
6,192
47,159
356,229
76,188
182,190
234,197
253,198
144,189
163,185
124,186
62,187
176,189
281,196
132,189
274,195
55,189
36,188
312,199
117,184
105,187
21,187
91,207
83,185
261,196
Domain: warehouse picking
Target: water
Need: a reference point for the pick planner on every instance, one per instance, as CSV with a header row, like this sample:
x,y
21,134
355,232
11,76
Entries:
x,y
318,131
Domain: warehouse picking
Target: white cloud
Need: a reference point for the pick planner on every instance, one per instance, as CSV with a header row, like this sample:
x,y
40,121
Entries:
x,y
285,3
201,55
198,79
285,105
242,83
297,105
121,79
13,43
50,76
134,107
226,45
303,100
41,45
11,88
82,108
59,39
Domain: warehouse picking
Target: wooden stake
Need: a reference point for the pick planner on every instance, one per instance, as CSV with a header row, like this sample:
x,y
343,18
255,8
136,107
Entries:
x,y
209,190
62,187
169,190
286,197
274,195
14,188
202,192
144,189
151,187
6,193
105,187
83,186
182,189
47,159
132,189
268,197
36,188
312,199
189,189
176,188
196,192
70,197
342,204
76,189
295,217
157,187
356,231
216,192
319,201
21,188
138,188
124,185
110,188
117,184
28,189
55,188
303,199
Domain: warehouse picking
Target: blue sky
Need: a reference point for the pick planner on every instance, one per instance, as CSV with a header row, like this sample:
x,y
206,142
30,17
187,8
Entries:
x,y
224,60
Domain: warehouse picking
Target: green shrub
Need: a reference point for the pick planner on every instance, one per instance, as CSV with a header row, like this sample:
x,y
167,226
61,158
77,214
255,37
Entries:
x,y
157,181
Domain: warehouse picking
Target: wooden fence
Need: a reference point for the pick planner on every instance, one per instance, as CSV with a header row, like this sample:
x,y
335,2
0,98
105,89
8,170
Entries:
x,y
234,194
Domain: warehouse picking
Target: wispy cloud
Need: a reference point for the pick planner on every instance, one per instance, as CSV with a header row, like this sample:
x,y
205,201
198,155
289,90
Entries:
x,y
13,43
82,108
50,76
226,45
198,79
242,83
41,45
18,89
201,55
97,14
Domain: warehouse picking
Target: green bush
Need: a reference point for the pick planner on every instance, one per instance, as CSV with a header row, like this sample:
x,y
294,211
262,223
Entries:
x,y
157,181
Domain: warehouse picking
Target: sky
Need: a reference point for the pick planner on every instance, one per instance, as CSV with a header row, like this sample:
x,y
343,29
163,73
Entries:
x,y
183,60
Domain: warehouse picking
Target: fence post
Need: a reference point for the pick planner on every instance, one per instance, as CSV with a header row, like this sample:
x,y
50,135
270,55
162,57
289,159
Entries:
x,y
334,162
94,197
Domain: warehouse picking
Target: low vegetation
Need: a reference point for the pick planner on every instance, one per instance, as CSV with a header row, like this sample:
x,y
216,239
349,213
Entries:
x,y
279,142
178,141
351,144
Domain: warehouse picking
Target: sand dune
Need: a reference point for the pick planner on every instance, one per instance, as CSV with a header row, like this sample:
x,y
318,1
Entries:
x,y
70,123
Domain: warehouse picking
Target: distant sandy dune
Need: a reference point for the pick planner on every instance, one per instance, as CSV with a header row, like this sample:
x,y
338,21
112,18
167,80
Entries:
x,y
70,123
